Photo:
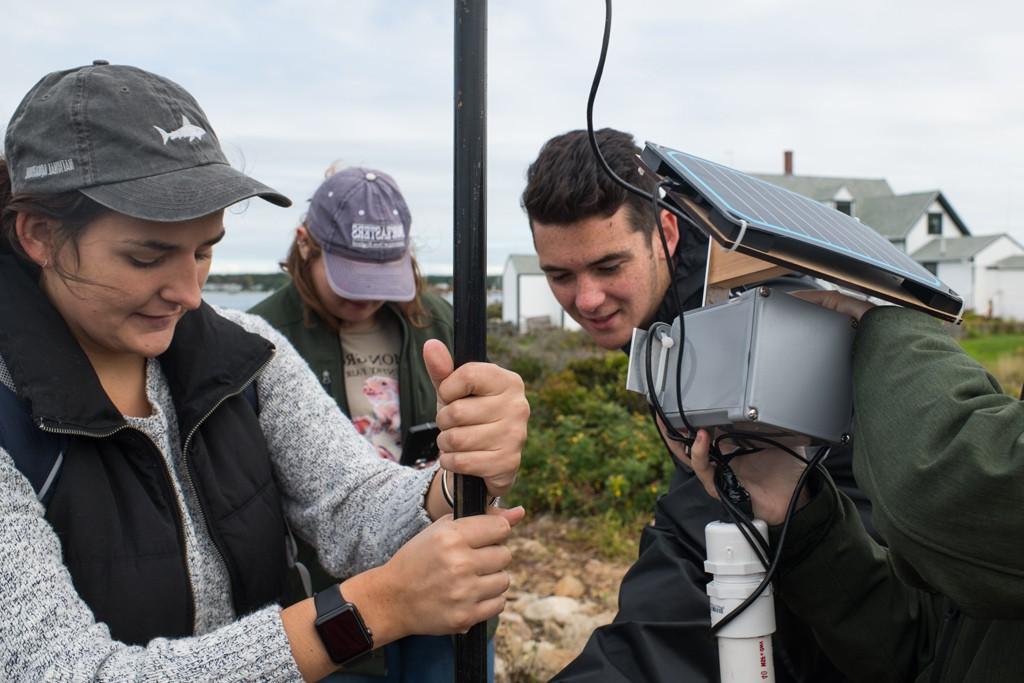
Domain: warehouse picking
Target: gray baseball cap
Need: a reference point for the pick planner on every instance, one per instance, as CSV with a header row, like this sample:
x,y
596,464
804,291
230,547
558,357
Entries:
x,y
361,221
128,139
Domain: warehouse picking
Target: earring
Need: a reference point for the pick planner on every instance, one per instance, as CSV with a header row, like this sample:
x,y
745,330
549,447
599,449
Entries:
x,y
46,262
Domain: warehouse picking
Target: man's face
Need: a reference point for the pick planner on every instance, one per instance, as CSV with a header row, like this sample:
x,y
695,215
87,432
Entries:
x,y
607,276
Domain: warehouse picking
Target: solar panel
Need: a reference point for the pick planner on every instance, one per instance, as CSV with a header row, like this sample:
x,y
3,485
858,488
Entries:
x,y
769,222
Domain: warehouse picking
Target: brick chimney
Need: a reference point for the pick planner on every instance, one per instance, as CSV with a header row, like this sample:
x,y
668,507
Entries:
x,y
787,162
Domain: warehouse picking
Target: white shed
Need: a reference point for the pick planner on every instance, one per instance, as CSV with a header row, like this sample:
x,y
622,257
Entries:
x,y
526,298
963,264
1006,278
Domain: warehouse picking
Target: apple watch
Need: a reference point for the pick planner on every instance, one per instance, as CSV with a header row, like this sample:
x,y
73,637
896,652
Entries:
x,y
341,628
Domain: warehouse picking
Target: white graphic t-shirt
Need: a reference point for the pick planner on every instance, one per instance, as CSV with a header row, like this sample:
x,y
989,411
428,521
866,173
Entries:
x,y
371,385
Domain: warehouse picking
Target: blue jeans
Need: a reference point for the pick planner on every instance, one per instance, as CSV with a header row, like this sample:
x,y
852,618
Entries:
x,y
417,659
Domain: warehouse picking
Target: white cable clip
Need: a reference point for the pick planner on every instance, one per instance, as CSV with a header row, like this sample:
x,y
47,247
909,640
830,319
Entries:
x,y
667,342
739,237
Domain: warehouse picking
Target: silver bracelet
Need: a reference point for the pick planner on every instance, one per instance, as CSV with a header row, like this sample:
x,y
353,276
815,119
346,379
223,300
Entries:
x,y
446,493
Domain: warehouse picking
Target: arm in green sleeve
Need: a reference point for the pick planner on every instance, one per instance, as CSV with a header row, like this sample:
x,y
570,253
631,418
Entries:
x,y
938,450
837,580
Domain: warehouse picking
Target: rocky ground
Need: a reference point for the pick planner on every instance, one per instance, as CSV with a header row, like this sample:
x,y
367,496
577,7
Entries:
x,y
561,591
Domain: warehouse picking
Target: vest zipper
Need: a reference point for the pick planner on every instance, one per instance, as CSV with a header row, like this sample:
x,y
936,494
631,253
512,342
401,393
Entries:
x,y
191,483
170,483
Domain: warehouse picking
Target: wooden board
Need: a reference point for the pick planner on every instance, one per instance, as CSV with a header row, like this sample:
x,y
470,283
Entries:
x,y
730,269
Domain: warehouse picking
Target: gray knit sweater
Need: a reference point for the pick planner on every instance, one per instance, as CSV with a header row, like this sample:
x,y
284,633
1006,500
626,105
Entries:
x,y
337,493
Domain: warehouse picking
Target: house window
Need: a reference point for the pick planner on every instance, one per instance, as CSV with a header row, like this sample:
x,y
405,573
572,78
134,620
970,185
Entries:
x,y
932,268
845,207
935,224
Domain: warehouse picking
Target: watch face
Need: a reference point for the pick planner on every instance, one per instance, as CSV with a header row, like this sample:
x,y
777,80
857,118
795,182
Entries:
x,y
343,636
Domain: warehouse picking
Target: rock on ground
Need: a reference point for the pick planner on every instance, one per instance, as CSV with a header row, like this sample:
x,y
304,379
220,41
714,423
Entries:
x,y
560,593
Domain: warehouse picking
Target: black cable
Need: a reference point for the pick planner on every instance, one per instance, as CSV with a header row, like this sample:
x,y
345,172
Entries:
x,y
813,464
669,261
736,504
593,139
730,491
676,302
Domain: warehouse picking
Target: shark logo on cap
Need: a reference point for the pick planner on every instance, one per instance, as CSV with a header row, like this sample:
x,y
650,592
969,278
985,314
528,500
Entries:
x,y
188,131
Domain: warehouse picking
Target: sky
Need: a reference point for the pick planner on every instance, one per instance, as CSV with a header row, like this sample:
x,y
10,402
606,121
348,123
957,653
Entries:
x,y
925,94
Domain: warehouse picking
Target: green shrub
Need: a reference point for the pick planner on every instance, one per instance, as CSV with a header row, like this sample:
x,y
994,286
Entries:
x,y
592,449
593,453
529,368
975,327
549,351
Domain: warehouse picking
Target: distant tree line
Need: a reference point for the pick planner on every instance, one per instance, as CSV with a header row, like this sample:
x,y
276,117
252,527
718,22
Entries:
x,y
445,281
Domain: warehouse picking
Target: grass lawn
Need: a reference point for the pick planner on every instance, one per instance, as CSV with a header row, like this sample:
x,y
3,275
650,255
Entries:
x,y
1002,355
987,350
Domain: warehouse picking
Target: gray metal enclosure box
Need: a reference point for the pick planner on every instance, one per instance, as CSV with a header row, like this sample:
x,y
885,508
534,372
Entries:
x,y
763,362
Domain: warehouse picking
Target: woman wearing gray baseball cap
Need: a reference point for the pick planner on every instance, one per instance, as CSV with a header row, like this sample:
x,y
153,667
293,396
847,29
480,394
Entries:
x,y
156,454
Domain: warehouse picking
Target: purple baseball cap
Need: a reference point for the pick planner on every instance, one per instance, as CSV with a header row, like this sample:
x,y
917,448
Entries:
x,y
361,221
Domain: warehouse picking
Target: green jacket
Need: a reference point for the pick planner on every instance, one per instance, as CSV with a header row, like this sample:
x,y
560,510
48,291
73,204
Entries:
x,y
321,348
939,451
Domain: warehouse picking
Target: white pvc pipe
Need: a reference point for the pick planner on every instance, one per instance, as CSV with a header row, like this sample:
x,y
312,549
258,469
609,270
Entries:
x,y
745,644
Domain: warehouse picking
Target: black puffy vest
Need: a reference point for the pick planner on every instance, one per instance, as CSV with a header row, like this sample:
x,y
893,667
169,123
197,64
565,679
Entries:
x,y
113,506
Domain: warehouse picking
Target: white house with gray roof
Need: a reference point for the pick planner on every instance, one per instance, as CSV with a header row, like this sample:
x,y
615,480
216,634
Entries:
x,y
922,224
909,221
526,298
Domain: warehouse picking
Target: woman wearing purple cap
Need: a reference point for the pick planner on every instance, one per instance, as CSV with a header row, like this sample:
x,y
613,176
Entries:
x,y
357,311
157,454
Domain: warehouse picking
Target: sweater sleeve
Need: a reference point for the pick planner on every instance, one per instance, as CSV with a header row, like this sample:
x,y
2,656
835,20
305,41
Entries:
x,y
940,454
355,507
49,633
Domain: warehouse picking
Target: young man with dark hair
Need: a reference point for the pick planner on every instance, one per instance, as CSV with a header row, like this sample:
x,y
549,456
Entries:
x,y
597,242
600,249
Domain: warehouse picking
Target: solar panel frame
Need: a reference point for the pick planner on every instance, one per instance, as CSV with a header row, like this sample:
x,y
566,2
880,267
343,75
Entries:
x,y
775,224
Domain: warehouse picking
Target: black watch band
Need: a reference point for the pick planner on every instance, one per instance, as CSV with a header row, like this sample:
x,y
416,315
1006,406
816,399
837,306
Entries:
x,y
340,626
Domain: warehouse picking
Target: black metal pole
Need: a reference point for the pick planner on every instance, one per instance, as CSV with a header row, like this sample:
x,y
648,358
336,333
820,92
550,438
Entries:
x,y
469,282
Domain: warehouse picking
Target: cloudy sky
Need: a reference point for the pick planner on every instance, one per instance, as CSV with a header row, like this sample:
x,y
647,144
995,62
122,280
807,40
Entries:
x,y
926,94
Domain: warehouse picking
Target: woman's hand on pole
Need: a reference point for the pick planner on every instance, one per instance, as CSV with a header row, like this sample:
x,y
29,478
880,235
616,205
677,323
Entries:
x,y
447,578
482,414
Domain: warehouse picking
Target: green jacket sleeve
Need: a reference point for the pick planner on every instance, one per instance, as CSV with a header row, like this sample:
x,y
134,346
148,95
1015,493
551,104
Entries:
x,y
938,450
837,580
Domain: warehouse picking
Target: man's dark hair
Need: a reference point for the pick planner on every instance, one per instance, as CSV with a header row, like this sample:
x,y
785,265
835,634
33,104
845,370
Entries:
x,y
567,183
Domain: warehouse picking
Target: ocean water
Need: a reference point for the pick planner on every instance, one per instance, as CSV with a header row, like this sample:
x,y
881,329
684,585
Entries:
x,y
238,300
245,299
